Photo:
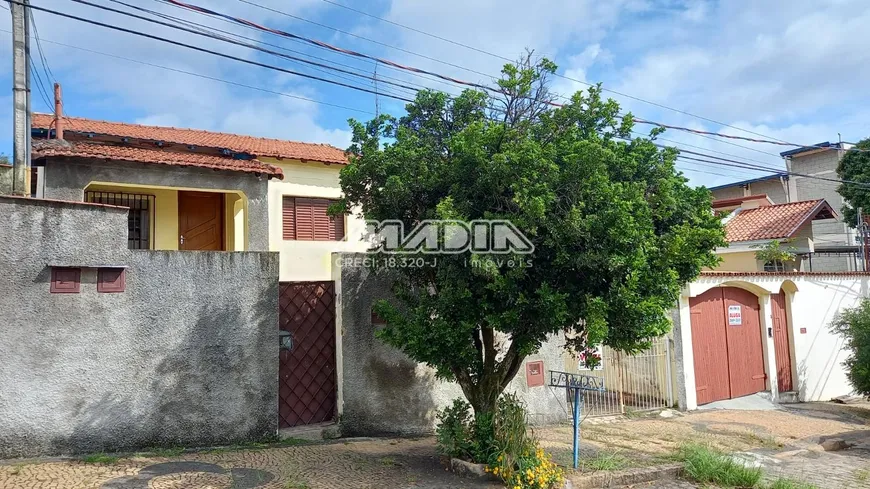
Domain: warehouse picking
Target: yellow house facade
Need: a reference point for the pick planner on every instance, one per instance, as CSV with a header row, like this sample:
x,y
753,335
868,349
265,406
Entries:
x,y
308,260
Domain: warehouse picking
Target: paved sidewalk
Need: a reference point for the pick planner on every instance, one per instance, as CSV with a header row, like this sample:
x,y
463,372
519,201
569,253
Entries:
x,y
786,442
373,464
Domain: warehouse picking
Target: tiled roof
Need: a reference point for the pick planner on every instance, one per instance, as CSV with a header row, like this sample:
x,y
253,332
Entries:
x,y
775,221
54,147
787,274
260,147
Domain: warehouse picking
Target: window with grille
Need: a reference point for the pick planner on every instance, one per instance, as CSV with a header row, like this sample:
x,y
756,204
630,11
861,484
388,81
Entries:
x,y
774,266
305,219
140,221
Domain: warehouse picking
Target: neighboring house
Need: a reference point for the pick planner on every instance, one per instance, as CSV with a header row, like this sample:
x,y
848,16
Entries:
x,y
835,244
754,221
776,187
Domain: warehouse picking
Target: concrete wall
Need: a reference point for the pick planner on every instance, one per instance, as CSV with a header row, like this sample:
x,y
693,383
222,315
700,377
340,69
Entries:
x,y
385,392
66,179
828,233
308,260
5,179
813,300
187,355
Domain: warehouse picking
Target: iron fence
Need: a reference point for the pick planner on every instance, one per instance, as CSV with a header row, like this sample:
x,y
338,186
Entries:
x,y
640,382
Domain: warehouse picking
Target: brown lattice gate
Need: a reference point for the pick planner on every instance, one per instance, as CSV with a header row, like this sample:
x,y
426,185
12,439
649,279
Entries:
x,y
307,377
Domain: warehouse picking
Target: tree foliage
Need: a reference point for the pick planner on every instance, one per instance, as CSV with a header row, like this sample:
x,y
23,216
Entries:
x,y
617,231
854,325
855,167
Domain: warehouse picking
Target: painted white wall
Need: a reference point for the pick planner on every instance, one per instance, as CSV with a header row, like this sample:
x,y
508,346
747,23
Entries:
x,y
308,260
813,300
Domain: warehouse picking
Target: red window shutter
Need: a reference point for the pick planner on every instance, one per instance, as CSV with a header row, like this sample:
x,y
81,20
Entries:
x,y
305,219
288,218
338,228
323,230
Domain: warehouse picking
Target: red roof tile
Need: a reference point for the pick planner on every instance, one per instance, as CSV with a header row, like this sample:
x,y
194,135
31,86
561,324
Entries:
x,y
54,147
260,147
775,221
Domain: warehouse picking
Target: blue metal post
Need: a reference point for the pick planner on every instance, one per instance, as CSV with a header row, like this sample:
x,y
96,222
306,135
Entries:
x,y
576,427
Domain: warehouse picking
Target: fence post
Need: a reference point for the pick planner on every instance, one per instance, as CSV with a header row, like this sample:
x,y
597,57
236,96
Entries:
x,y
668,372
621,386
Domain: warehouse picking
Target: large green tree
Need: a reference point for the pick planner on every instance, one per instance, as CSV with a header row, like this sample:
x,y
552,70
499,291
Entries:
x,y
617,231
855,167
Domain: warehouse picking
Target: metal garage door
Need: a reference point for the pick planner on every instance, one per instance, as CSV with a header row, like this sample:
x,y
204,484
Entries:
x,y
726,341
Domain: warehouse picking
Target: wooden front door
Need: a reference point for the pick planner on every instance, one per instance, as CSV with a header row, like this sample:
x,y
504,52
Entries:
x,y
780,342
200,221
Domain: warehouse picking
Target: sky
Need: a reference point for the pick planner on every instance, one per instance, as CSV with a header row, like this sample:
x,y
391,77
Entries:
x,y
793,70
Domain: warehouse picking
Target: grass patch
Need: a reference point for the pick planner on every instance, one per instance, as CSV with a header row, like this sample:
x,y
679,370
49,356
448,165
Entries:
x,y
605,461
161,452
791,484
100,458
766,441
389,462
708,466
862,474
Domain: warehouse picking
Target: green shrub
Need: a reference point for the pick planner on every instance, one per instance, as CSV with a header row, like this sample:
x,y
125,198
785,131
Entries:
x,y
454,431
501,440
709,466
854,325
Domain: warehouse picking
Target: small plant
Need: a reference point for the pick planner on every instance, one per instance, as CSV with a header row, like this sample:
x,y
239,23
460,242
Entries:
x,y
791,484
100,458
454,432
774,254
605,461
389,462
708,466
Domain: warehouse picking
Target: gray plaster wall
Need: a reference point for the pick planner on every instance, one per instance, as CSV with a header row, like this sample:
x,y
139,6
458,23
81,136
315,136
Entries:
x,y
384,392
187,355
67,178
5,179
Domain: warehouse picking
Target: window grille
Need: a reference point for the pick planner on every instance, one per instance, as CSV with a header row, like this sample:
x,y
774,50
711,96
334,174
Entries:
x,y
140,220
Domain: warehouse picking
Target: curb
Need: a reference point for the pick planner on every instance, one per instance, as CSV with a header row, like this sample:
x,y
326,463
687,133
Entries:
x,y
624,477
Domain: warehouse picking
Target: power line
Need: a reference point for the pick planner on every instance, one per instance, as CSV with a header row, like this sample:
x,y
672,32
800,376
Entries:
x,y
222,19
207,30
615,92
731,136
205,50
213,36
49,76
315,42
40,87
207,77
270,9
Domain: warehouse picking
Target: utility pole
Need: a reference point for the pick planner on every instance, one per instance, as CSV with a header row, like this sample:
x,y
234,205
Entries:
x,y
21,97
862,235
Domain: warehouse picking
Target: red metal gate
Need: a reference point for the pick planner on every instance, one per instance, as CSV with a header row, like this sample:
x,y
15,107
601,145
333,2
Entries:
x,y
726,341
780,342
307,373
